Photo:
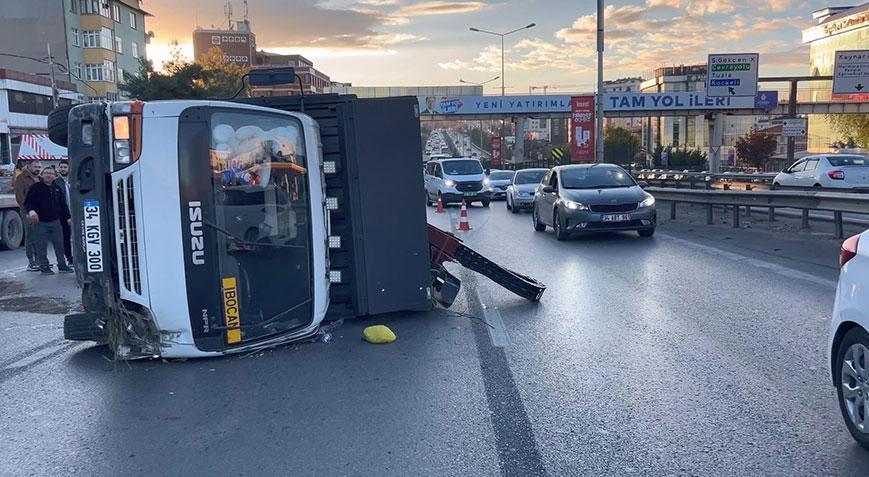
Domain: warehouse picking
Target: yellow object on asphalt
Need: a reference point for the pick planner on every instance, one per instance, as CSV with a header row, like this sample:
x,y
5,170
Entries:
x,y
378,334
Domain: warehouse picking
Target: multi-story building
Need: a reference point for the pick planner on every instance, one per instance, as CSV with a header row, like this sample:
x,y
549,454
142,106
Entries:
x,y
836,29
313,80
25,101
93,42
624,85
238,44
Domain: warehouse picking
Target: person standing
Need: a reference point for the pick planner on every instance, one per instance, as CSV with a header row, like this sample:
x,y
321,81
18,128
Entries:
x,y
22,183
62,181
46,208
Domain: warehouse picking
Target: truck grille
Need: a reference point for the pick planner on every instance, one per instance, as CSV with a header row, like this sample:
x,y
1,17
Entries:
x,y
469,186
128,243
613,207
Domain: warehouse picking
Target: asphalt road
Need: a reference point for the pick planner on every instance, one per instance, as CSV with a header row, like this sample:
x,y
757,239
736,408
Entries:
x,y
701,351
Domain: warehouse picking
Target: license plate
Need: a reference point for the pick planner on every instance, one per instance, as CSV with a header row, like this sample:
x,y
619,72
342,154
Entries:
x,y
93,236
616,218
469,194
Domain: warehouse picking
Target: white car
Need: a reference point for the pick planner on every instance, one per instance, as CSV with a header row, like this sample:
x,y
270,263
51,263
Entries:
x,y
849,340
520,192
840,171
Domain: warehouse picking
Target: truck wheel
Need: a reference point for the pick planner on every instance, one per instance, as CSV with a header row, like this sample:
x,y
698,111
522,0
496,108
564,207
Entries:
x,y
58,125
11,229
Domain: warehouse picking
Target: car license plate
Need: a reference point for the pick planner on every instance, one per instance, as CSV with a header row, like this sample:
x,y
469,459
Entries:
x,y
616,218
469,194
93,236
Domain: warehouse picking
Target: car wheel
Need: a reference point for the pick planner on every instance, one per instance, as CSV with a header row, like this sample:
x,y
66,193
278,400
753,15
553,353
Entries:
x,y
514,209
646,232
538,225
852,383
817,186
776,185
507,202
560,233
485,202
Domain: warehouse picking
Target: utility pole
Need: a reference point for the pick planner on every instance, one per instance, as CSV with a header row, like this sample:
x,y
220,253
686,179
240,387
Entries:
x,y
598,133
54,94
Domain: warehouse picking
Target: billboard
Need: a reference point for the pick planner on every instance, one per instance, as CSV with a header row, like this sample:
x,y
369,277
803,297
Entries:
x,y
493,104
496,151
582,129
237,46
765,100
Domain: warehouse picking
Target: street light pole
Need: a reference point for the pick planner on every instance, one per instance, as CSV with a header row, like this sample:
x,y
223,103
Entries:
x,y
502,35
598,141
481,84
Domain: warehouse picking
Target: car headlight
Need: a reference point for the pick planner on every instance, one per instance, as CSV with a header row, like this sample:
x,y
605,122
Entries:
x,y
575,205
486,181
449,183
648,202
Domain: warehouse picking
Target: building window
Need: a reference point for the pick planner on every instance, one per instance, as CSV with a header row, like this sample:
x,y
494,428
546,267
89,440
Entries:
x,y
104,8
109,71
76,70
91,39
83,6
112,96
75,37
120,76
116,13
107,38
94,72
676,133
73,6
134,49
119,45
132,20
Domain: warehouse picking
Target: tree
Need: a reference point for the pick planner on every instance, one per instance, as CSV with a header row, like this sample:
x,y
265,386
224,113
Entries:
x,y
620,146
853,127
756,147
679,158
212,77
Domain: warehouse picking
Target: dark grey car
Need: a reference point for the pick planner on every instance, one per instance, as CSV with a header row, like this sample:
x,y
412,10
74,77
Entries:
x,y
592,198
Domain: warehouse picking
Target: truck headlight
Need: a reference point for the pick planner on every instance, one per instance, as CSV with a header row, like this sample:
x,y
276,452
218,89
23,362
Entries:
x,y
449,183
648,202
575,205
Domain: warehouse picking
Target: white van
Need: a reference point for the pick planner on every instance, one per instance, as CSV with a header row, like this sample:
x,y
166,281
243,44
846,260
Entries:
x,y
456,179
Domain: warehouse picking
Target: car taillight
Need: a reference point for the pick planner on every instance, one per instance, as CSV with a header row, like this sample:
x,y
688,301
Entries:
x,y
849,250
836,175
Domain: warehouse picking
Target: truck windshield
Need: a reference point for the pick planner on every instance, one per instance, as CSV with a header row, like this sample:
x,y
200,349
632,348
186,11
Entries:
x,y
462,167
260,195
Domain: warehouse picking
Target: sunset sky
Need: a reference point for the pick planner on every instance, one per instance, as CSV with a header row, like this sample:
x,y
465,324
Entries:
x,y
409,42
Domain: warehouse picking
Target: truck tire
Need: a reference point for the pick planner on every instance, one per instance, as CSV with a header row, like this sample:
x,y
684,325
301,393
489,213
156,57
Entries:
x,y
83,327
58,124
11,229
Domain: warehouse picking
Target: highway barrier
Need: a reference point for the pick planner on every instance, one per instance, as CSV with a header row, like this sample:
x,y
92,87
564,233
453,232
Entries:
x,y
835,202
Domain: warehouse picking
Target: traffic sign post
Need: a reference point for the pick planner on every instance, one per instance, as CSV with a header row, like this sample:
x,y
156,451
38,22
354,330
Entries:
x,y
851,72
795,127
732,75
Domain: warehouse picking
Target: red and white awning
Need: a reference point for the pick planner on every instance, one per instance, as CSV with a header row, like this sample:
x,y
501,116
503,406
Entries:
x,y
39,147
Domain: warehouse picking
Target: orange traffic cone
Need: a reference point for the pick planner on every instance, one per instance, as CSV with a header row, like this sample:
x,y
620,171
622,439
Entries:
x,y
440,209
463,218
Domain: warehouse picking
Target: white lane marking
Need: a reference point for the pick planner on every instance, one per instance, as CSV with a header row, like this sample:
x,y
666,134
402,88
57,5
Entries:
x,y
772,267
497,330
28,360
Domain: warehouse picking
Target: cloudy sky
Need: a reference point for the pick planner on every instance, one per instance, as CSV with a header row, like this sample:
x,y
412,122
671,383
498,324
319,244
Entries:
x,y
427,42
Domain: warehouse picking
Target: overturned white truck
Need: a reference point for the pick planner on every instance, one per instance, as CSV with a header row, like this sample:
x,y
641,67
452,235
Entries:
x,y
211,227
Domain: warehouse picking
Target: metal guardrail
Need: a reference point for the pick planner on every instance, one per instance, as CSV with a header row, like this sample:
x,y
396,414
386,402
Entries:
x,y
836,202
693,178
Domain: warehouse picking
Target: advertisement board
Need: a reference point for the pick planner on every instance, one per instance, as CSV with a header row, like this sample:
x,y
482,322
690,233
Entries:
x,y
765,100
582,129
496,152
429,105
237,46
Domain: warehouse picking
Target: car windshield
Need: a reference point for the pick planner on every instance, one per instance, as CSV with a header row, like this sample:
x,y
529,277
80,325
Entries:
x,y
462,168
500,176
595,178
841,161
529,177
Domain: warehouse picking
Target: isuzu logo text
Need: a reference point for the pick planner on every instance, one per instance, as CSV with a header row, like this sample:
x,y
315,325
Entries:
x,y
197,241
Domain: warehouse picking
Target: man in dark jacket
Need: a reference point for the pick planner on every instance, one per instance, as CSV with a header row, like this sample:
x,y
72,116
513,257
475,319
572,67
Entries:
x,y
62,181
28,176
46,208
